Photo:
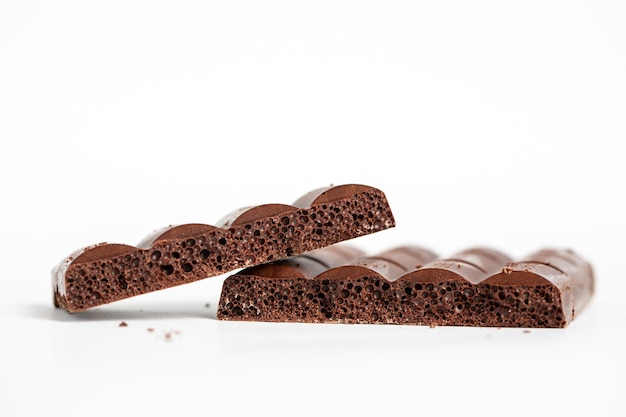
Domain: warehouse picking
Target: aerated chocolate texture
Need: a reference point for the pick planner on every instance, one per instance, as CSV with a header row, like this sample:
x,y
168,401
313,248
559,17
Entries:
x,y
410,285
177,255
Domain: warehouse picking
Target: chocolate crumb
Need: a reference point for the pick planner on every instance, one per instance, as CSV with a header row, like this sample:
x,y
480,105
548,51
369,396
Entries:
x,y
526,331
123,324
150,329
169,334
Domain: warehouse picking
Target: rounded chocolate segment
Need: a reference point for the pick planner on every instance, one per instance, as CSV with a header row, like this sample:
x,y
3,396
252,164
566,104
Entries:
x,y
329,194
560,259
567,269
103,251
527,294
184,231
472,265
408,257
486,260
297,267
365,267
252,214
334,255
527,274
447,270
389,265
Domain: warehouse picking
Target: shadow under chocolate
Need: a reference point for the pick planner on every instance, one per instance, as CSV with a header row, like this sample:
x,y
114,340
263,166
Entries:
x,y
120,313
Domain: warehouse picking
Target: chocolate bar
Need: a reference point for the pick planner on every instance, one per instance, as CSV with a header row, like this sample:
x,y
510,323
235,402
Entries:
x,y
176,255
410,285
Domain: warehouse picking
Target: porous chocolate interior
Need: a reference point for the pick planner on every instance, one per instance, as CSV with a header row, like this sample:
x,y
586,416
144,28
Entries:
x,y
478,287
187,253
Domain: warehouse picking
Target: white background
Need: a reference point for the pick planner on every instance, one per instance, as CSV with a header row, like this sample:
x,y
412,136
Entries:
x,y
491,123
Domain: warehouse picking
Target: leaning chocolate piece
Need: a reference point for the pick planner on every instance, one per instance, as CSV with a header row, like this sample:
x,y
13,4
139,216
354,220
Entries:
x,y
407,285
176,255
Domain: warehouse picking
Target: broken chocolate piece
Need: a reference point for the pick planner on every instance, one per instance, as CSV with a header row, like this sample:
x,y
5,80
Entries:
x,y
408,285
176,255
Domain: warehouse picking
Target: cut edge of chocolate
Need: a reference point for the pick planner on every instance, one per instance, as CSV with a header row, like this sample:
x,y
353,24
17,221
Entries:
x,y
442,292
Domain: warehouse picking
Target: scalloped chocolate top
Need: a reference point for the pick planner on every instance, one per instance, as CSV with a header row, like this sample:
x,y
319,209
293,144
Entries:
x,y
409,285
176,255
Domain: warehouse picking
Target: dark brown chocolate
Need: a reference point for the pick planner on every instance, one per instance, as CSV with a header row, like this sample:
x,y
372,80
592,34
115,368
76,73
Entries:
x,y
177,255
409,285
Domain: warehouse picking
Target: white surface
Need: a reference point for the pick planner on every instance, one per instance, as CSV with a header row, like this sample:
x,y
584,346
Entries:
x,y
484,123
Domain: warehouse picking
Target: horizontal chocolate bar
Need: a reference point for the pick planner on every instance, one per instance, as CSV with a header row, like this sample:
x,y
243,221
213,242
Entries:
x,y
176,255
410,285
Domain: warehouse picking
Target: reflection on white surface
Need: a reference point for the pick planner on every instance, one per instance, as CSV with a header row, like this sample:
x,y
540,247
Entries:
x,y
179,353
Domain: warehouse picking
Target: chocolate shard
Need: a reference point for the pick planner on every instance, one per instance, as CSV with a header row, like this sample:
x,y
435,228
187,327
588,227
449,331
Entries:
x,y
176,255
410,285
